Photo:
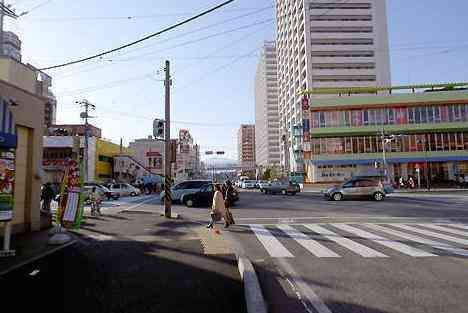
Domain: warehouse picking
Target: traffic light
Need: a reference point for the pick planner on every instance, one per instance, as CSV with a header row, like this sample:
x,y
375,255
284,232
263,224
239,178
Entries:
x,y
158,128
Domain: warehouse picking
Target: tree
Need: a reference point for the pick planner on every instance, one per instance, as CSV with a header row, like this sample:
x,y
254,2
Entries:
x,y
267,174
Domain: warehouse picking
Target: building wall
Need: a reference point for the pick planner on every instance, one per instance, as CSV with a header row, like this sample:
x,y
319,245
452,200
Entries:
x,y
266,108
246,145
143,147
105,153
432,127
327,44
29,117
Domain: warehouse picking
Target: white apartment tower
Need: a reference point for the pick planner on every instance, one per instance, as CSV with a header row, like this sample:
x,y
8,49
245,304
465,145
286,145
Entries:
x,y
267,152
326,44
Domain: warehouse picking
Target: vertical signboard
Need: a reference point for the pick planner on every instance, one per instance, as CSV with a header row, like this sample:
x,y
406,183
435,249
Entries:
x,y
306,127
70,210
7,185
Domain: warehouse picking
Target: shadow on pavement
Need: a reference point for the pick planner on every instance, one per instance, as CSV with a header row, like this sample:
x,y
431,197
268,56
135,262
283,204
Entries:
x,y
122,275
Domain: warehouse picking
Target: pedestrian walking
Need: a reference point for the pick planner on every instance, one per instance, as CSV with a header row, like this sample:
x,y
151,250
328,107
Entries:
x,y
218,208
47,195
411,182
461,181
228,202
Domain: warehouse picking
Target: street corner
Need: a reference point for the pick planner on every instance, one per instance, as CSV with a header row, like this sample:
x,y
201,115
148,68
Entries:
x,y
214,241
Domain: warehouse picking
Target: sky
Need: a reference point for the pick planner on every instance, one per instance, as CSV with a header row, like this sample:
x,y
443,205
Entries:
x,y
213,59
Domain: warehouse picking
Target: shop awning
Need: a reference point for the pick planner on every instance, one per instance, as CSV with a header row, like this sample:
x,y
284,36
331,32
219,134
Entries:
x,y
8,137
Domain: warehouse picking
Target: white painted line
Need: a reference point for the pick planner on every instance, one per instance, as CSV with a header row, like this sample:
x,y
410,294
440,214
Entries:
x,y
305,291
311,245
432,243
138,205
446,229
271,244
432,234
461,226
345,242
392,244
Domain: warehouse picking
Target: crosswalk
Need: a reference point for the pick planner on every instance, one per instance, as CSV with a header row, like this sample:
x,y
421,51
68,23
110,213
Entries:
x,y
367,240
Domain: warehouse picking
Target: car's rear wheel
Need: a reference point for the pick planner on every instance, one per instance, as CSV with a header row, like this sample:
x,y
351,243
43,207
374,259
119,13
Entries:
x,y
292,193
337,196
189,202
133,194
378,196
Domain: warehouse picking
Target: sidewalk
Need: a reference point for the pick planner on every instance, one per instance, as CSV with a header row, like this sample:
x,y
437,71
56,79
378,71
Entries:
x,y
28,247
138,262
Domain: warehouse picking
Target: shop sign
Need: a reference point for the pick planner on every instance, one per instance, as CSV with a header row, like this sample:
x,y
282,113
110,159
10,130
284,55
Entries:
x,y
70,210
7,185
54,164
153,154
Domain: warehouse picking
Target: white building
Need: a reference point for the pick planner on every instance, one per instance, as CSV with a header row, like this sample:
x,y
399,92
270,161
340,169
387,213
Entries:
x,y
12,45
326,43
187,157
267,143
149,153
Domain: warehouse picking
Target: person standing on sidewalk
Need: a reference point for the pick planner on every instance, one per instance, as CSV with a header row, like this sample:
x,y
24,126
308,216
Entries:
x,y
228,202
47,195
218,209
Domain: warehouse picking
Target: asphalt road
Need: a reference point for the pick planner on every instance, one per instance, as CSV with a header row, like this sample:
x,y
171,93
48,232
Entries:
x,y
406,254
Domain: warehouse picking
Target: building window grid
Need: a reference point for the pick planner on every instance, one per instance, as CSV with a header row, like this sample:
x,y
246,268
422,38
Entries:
x,y
433,114
436,142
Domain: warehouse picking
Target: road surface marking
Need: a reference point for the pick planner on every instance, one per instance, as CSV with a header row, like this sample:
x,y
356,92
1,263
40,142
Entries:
x,y
271,244
392,244
345,242
431,243
138,205
445,229
432,234
304,289
311,245
461,226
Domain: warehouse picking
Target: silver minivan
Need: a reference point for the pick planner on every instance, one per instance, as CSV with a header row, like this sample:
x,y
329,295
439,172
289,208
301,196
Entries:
x,y
357,188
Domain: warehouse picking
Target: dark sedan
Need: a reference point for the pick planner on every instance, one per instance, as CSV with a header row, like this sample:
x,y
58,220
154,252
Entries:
x,y
204,197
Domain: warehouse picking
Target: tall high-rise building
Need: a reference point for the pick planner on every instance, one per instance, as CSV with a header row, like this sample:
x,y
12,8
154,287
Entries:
x,y
266,108
326,44
246,146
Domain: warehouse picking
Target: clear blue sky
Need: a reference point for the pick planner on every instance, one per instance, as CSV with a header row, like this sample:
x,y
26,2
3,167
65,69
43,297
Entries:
x,y
213,78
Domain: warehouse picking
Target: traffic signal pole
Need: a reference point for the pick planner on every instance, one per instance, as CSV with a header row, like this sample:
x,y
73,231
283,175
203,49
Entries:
x,y
167,154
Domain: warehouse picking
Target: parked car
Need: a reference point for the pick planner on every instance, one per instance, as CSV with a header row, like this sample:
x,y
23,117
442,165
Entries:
x,y
263,184
285,188
248,184
124,189
104,192
360,187
183,188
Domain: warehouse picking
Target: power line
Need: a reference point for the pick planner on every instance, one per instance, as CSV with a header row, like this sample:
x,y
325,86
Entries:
x,y
128,17
142,39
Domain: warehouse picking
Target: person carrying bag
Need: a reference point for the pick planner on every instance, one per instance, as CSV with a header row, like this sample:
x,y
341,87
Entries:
x,y
218,209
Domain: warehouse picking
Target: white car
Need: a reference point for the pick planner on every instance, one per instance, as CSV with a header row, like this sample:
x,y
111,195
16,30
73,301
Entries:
x,y
248,184
263,184
124,190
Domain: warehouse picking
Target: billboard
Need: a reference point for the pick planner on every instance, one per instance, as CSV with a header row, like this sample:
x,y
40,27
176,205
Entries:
x,y
7,185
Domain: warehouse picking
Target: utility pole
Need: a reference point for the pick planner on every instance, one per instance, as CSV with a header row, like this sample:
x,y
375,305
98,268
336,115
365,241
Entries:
x,y
167,133
87,105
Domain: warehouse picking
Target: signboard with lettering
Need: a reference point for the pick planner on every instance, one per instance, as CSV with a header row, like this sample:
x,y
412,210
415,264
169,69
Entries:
x,y
70,210
7,185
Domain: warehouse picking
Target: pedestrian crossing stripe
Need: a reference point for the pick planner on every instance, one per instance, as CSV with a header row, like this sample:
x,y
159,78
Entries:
x,y
369,232
458,226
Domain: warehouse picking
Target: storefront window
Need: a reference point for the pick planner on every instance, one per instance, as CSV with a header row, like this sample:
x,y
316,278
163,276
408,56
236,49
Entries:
x,y
423,111
430,114
437,118
411,118
366,117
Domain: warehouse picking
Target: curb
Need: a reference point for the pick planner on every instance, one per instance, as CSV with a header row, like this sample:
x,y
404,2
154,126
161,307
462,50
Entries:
x,y
38,257
252,291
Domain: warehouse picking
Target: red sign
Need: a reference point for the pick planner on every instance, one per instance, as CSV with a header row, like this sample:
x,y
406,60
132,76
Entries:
x,y
153,154
54,163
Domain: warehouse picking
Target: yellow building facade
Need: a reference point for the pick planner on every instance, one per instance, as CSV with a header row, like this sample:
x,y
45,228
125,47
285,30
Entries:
x,y
105,153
